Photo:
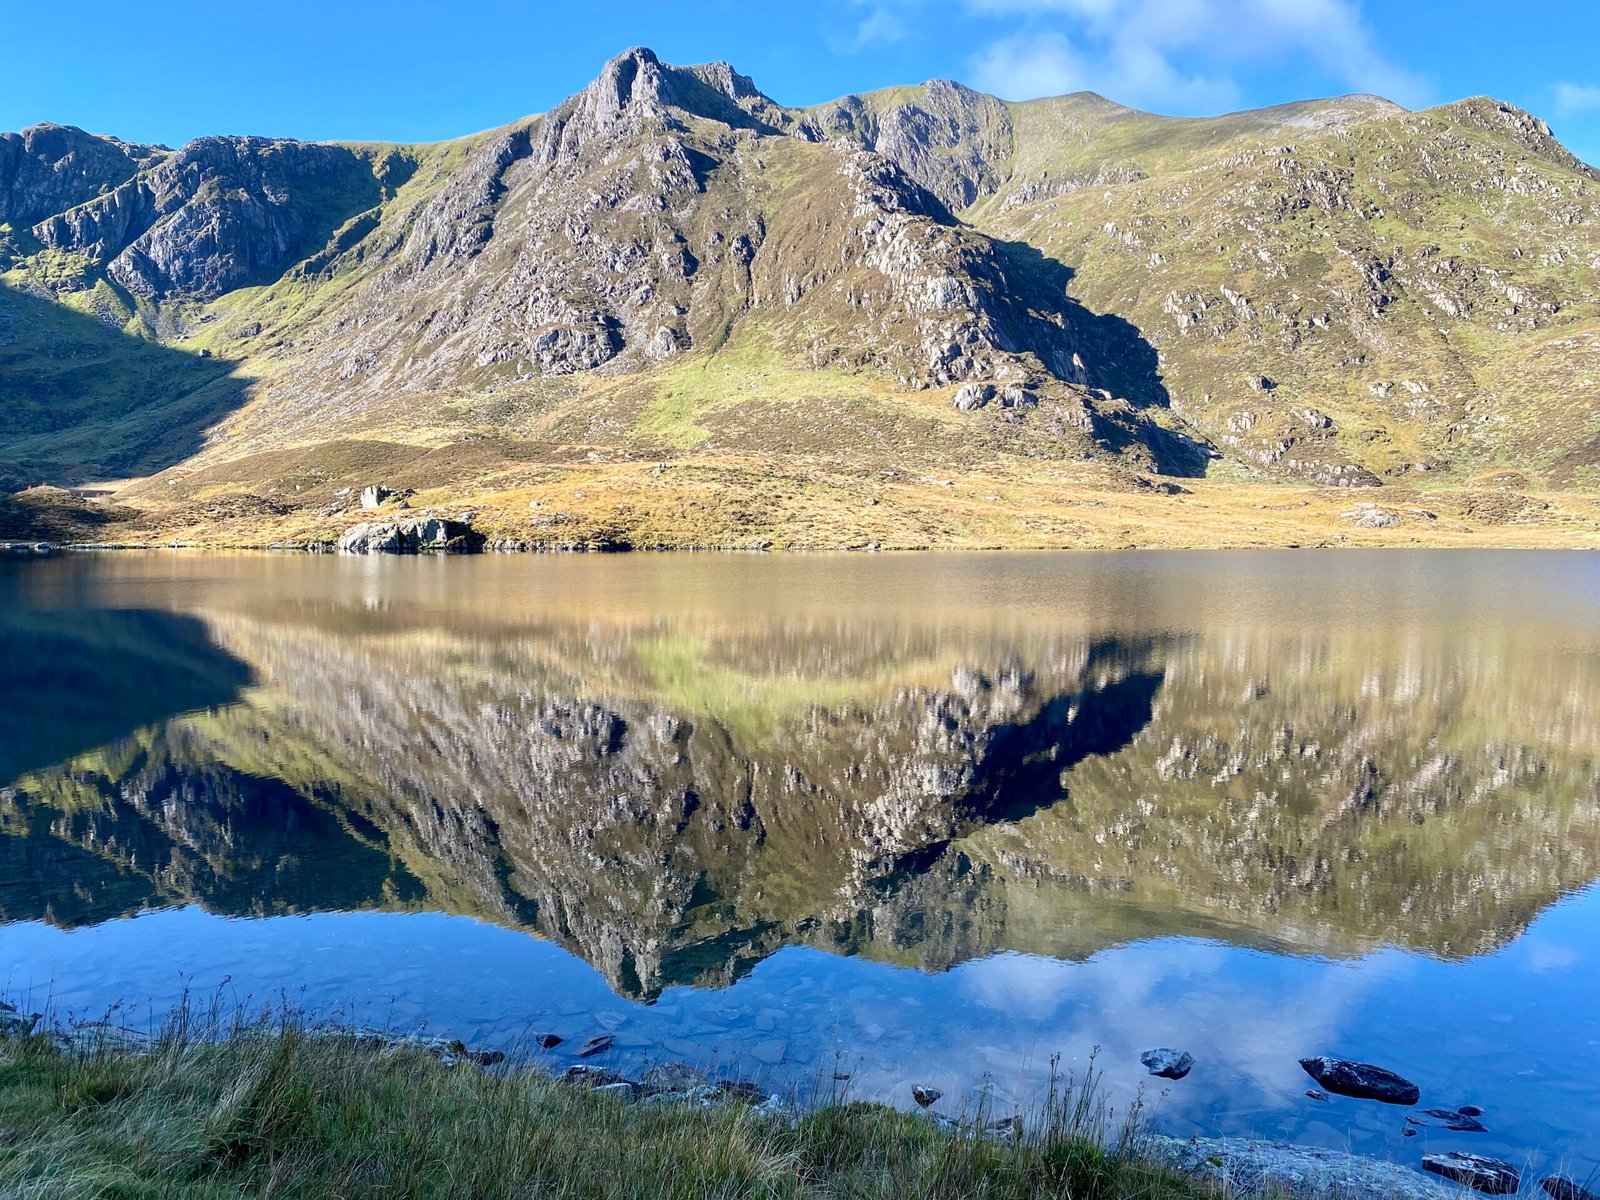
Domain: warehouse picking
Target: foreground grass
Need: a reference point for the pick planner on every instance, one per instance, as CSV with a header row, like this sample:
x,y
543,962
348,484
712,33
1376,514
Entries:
x,y
291,1114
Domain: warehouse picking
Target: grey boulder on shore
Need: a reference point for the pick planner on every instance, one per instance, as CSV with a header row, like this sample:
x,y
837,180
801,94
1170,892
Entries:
x,y
407,537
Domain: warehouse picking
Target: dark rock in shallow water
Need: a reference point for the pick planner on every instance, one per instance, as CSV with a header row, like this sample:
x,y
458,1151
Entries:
x,y
1470,1110
1562,1188
925,1096
1167,1063
1319,1096
596,1045
548,1041
1488,1175
1363,1081
1446,1118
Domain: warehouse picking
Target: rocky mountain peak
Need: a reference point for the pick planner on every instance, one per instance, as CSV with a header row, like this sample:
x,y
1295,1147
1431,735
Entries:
x,y
47,168
1521,126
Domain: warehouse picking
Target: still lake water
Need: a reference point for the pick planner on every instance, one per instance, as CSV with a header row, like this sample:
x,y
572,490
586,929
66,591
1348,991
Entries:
x,y
924,819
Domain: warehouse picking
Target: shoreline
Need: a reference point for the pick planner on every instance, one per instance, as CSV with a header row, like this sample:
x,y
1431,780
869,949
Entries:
x,y
27,550
674,1095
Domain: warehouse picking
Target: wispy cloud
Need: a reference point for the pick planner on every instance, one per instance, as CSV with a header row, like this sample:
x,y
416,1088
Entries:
x,y
1572,99
883,24
1179,54
1026,65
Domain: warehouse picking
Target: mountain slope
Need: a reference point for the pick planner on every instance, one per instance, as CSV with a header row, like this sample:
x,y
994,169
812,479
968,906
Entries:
x,y
670,267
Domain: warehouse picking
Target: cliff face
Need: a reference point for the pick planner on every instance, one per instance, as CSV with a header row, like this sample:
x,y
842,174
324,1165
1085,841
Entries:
x,y
220,214
673,807
1339,292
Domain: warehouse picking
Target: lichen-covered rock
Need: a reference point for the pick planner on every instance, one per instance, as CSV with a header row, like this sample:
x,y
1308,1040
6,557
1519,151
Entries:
x,y
1259,1168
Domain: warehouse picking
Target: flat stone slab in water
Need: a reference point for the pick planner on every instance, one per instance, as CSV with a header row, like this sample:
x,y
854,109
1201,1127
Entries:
x,y
1252,1168
1447,1118
1363,1081
1167,1063
1488,1175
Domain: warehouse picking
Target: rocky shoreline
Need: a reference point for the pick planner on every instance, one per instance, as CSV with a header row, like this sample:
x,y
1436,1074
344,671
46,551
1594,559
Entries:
x,y
1245,1167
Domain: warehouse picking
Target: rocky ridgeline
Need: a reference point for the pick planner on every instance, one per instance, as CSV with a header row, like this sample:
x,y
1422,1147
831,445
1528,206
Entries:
x,y
665,211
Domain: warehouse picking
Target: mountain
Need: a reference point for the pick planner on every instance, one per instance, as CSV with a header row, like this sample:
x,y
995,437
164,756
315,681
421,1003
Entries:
x,y
673,311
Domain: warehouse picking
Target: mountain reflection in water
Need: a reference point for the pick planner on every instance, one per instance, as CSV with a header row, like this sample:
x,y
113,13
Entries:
x,y
676,794
674,769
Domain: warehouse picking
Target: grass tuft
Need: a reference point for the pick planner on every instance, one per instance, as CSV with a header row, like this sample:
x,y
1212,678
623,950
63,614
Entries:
x,y
286,1111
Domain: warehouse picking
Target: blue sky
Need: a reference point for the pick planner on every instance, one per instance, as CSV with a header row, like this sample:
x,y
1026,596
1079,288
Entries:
x,y
428,69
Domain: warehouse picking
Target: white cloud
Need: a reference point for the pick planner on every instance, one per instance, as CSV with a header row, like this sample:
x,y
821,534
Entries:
x,y
1574,98
1179,54
880,26
1024,66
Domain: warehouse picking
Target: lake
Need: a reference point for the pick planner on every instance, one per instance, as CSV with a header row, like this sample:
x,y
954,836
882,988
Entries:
x,y
915,819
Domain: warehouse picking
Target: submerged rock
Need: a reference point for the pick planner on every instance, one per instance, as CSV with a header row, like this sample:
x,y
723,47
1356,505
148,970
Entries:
x,y
1446,1118
1488,1175
548,1041
925,1096
1167,1063
1361,1080
596,1045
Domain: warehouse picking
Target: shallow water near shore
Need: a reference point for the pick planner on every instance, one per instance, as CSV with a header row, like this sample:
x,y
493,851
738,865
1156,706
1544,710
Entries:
x,y
915,819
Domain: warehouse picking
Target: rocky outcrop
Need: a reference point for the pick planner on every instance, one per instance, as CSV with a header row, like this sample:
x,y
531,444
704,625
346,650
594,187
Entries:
x,y
221,213
409,537
1258,1168
49,169
953,141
